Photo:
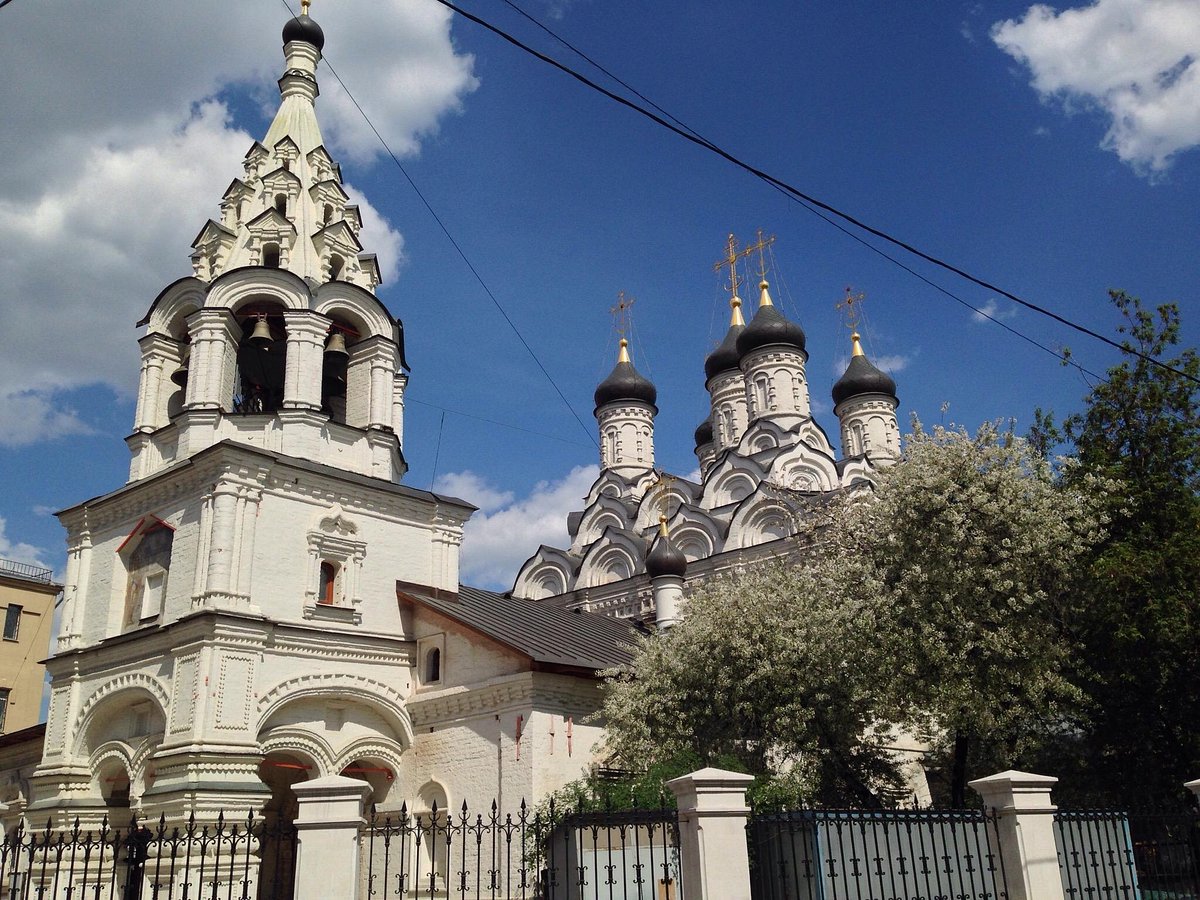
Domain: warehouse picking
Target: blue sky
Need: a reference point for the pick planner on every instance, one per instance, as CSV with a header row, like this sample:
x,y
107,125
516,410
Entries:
x,y
1053,155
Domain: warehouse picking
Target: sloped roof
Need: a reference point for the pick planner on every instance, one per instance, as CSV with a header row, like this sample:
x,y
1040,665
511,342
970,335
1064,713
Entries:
x,y
550,636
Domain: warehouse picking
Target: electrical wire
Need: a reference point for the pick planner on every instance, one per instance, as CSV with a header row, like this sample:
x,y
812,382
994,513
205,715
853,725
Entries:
x,y
457,247
792,191
1057,354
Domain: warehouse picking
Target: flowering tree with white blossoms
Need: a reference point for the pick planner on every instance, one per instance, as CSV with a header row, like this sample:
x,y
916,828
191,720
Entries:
x,y
930,604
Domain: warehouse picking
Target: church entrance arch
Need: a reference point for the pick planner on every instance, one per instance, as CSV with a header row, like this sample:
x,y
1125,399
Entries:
x,y
280,771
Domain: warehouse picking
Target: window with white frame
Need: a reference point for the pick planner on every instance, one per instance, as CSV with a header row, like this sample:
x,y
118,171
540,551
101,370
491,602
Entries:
x,y
335,559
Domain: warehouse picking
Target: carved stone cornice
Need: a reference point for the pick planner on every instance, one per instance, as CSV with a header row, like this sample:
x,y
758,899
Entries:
x,y
544,693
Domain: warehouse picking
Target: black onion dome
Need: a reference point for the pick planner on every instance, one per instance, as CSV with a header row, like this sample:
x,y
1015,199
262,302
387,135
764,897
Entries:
x,y
769,326
303,28
665,558
624,382
862,378
725,357
704,433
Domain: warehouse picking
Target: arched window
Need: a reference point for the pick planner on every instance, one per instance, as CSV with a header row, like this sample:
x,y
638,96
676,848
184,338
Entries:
x,y
271,256
326,590
433,666
336,264
281,204
328,214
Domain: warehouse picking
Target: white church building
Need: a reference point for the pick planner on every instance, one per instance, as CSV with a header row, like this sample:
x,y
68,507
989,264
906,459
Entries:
x,y
265,602
763,462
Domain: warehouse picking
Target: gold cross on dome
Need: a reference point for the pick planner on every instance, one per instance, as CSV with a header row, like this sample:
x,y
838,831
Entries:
x,y
732,255
620,313
849,307
304,5
760,245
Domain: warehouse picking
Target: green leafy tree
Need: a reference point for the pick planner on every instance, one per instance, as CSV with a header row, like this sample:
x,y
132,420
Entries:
x,y
931,604
969,552
758,675
1137,617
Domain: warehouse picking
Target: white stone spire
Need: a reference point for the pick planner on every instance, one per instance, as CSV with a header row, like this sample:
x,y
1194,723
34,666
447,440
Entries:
x,y
289,209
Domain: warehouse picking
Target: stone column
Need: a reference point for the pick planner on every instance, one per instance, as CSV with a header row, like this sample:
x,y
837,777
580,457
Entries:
x,y
1024,832
327,826
399,383
712,834
215,335
160,358
219,583
306,332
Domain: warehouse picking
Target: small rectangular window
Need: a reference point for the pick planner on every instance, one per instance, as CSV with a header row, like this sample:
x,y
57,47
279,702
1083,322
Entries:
x,y
12,622
4,692
153,597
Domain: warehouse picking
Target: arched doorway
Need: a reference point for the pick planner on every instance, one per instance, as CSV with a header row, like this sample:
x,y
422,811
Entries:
x,y
279,771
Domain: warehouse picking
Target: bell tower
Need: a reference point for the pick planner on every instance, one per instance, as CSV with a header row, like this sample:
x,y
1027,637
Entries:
x,y
231,611
277,339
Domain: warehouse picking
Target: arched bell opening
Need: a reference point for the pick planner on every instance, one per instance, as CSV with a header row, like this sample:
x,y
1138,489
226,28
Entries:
x,y
261,359
335,368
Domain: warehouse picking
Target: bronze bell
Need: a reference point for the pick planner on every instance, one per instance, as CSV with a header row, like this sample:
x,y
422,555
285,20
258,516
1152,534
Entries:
x,y
180,375
261,336
335,349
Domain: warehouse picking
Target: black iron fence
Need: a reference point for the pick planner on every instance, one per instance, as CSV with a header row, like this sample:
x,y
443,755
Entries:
x,y
250,859
923,854
1114,855
547,854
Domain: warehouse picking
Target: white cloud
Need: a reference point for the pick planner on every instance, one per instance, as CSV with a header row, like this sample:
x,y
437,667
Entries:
x,y
888,362
892,362
507,530
991,311
1135,60
473,488
27,417
127,145
15,551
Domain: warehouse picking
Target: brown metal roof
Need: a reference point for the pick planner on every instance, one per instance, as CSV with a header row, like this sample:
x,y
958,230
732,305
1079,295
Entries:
x,y
549,635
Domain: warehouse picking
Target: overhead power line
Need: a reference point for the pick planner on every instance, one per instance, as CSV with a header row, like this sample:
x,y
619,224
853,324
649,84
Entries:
x,y
798,194
1057,354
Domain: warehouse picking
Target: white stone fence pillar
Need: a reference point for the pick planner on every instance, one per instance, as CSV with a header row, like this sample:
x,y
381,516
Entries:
x,y
712,834
327,829
1194,787
1024,832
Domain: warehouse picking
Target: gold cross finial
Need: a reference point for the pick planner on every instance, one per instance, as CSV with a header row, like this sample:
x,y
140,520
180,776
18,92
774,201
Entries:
x,y
304,5
849,307
732,255
760,245
620,313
